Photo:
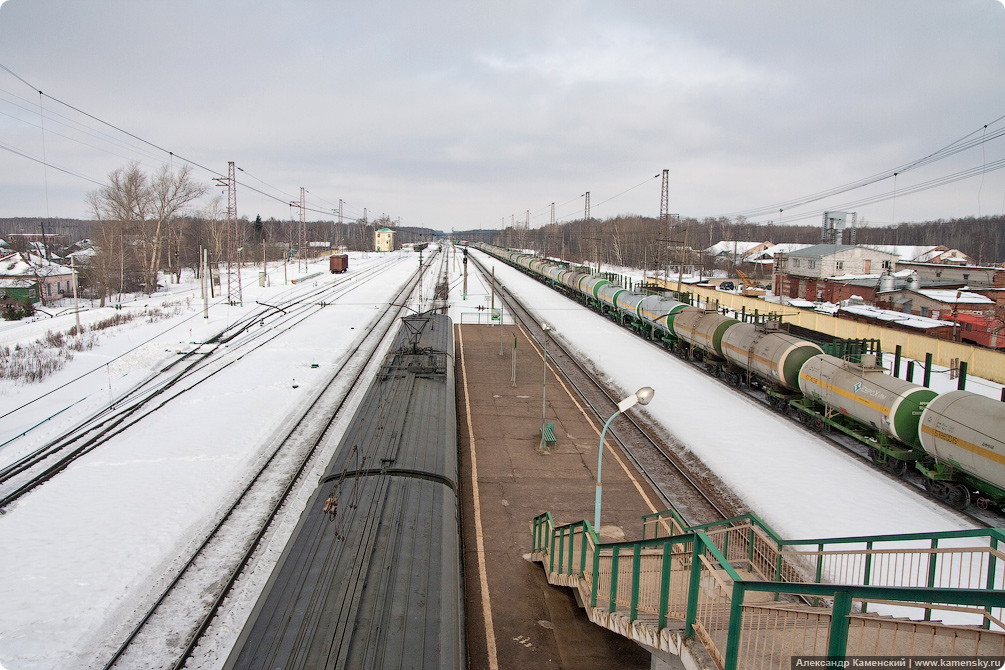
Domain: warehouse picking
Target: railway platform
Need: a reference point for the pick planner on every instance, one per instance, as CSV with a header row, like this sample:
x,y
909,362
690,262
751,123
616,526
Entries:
x,y
515,619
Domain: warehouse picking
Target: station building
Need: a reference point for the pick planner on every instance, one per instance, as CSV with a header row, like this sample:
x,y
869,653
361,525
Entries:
x,y
383,240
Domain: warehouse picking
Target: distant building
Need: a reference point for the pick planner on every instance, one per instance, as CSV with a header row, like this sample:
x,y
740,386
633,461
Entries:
x,y
974,276
383,240
937,303
802,273
32,276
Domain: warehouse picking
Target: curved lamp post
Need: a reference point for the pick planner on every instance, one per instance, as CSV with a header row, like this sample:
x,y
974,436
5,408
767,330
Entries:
x,y
640,397
546,328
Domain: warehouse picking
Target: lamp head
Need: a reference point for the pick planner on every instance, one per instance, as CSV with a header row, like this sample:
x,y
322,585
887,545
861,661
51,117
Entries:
x,y
545,327
642,396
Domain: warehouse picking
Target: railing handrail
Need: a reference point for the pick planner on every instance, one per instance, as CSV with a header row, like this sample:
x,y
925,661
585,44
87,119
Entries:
x,y
565,558
991,533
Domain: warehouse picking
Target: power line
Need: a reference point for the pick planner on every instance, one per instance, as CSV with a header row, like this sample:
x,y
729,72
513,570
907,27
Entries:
x,y
172,155
951,149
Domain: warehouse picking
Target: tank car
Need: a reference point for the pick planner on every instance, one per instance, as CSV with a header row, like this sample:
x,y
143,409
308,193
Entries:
x,y
772,356
963,433
658,311
867,394
591,285
608,295
702,329
627,303
571,279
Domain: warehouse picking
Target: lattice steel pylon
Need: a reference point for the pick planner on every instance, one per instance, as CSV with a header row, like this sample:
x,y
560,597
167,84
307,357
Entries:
x,y
233,284
663,234
303,229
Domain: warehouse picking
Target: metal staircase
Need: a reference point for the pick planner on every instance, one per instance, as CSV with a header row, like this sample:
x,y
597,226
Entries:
x,y
733,595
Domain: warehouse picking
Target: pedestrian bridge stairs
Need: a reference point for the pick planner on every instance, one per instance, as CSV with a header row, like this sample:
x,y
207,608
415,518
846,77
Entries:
x,y
734,595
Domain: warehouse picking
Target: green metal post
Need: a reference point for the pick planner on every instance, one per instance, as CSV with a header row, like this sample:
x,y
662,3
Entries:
x,y
693,588
572,538
582,556
614,580
750,549
735,627
837,643
990,584
867,577
551,563
665,585
725,546
820,570
596,577
933,559
636,569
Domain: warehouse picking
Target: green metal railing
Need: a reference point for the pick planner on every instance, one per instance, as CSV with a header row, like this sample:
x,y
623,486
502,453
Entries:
x,y
753,599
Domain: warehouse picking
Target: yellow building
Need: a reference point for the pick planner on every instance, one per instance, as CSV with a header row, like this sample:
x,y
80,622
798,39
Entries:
x,y
383,240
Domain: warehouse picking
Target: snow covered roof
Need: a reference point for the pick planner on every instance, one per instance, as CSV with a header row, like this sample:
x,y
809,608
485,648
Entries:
x,y
899,318
733,246
18,265
16,283
822,250
957,297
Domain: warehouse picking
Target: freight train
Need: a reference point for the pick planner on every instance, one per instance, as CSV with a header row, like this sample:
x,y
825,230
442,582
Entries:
x,y
955,440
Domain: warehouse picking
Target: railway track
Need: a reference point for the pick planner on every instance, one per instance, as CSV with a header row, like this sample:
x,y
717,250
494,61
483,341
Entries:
x,y
169,633
685,485
228,347
981,517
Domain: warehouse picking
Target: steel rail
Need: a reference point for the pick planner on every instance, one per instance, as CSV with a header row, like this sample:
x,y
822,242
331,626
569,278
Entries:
x,y
109,423
681,469
254,543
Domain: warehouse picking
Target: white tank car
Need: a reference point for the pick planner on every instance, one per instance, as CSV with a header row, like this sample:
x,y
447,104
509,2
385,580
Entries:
x,y
867,394
769,354
703,329
967,431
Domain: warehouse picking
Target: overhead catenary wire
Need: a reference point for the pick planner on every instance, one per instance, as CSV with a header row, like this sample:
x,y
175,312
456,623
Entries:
x,y
962,144
171,155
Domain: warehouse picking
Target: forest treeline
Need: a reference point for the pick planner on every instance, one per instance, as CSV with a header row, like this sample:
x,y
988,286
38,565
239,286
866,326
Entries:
x,y
639,241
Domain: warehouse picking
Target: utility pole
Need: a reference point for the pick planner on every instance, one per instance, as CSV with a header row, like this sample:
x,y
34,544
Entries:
x,y
303,229
664,230
76,306
207,282
339,239
233,283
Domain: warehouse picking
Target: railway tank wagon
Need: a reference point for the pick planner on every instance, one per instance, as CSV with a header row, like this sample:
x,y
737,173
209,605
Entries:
x,y
956,440
702,329
773,357
962,432
864,392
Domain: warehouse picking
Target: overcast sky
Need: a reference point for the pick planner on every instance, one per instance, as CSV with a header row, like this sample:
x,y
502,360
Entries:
x,y
461,114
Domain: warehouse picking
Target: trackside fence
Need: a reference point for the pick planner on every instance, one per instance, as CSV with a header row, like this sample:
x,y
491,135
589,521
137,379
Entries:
x,y
753,600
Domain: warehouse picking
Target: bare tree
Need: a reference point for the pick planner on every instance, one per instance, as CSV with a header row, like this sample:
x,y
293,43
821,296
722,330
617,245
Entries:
x,y
144,208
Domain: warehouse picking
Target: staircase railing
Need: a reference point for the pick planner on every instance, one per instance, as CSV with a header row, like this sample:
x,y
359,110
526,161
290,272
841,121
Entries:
x,y
743,592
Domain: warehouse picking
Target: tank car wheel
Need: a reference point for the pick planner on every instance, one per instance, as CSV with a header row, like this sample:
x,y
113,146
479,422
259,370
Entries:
x,y
816,424
958,496
896,466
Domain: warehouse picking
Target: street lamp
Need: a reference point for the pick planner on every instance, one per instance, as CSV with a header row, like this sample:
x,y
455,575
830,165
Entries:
x,y
641,397
544,383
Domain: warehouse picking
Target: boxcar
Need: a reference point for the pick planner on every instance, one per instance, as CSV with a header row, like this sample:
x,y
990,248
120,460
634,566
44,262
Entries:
x,y
338,263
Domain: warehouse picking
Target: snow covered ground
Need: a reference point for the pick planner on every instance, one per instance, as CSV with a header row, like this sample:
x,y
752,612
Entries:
x,y
80,549
80,552
799,484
